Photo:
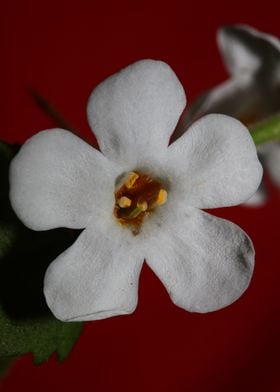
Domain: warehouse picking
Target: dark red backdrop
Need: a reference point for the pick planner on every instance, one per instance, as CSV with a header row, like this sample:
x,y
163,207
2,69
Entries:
x,y
64,48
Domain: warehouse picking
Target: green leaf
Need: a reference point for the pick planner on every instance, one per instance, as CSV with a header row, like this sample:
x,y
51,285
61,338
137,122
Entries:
x,y
65,338
41,336
7,238
5,364
26,323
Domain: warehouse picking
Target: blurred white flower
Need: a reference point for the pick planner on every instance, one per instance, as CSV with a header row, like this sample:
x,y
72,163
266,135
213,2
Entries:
x,y
251,94
139,199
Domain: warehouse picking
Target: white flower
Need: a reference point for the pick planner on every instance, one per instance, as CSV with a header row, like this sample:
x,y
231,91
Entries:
x,y
252,92
57,180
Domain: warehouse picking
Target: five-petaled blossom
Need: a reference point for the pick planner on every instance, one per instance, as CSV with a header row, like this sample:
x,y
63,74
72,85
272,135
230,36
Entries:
x,y
252,92
140,198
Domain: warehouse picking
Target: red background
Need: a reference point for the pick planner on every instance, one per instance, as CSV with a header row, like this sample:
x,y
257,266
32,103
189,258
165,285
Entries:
x,y
64,48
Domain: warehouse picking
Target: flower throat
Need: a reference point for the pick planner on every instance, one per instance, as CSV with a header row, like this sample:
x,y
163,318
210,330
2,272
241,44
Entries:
x,y
136,198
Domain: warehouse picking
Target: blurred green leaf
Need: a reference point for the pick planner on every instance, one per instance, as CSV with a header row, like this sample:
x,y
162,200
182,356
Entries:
x,y
26,323
5,364
41,336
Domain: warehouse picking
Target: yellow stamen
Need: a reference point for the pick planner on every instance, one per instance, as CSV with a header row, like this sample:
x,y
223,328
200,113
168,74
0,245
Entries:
x,y
131,179
124,202
136,197
162,197
142,205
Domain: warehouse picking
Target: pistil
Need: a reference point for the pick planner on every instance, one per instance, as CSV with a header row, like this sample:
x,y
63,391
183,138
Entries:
x,y
136,198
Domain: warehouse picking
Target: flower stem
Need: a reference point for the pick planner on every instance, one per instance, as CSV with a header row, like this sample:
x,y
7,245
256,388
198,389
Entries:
x,y
263,132
266,131
48,108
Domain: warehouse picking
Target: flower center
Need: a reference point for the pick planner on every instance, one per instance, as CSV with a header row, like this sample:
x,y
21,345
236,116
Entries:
x,y
136,197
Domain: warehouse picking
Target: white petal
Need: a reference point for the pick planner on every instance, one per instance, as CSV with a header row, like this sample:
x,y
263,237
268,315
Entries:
x,y
204,262
272,162
259,198
248,99
135,111
97,277
245,49
248,95
214,164
236,97
57,180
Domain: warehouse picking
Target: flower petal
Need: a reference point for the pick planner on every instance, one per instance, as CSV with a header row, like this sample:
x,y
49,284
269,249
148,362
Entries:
x,y
204,262
135,111
237,97
245,49
57,180
214,164
97,277
259,198
252,92
272,162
